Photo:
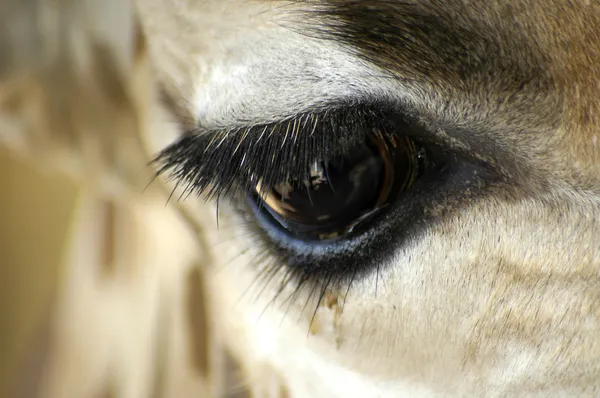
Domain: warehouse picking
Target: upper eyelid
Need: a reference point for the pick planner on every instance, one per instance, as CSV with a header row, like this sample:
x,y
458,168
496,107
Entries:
x,y
479,139
213,161
274,125
425,127
394,113
306,122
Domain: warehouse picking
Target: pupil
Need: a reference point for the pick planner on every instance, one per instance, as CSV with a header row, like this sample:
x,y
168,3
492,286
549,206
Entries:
x,y
333,196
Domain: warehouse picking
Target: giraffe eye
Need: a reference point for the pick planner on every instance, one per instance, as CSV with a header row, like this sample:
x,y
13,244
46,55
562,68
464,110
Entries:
x,y
341,194
330,194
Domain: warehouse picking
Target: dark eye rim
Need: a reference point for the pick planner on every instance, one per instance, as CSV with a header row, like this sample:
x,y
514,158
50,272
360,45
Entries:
x,y
437,195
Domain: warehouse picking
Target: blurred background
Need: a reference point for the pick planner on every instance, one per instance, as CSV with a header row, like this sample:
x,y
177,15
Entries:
x,y
35,213
102,292
101,296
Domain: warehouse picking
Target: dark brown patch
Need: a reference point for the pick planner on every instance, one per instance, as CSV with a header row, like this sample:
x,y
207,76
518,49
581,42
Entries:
x,y
198,321
161,352
442,43
109,247
331,300
140,43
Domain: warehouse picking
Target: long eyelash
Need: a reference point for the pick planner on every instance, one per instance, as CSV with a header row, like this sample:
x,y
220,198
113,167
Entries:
x,y
216,163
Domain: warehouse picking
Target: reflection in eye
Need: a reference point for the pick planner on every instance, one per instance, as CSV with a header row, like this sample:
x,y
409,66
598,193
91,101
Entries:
x,y
340,194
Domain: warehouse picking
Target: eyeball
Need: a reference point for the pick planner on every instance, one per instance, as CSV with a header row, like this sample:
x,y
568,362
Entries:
x,y
340,194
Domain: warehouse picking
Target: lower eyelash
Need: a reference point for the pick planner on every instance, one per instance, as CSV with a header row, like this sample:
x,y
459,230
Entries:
x,y
271,273
296,283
